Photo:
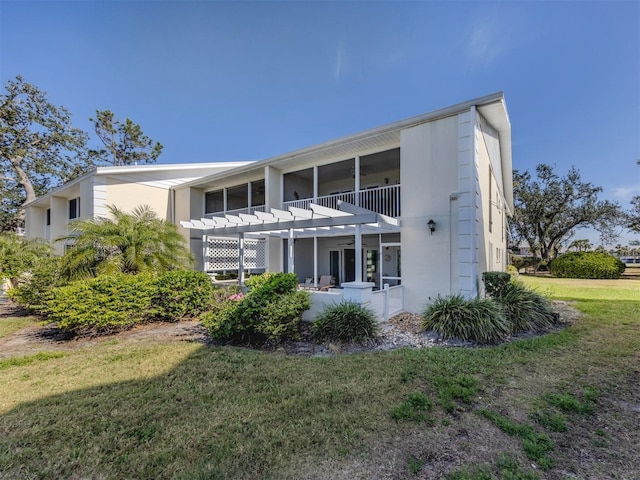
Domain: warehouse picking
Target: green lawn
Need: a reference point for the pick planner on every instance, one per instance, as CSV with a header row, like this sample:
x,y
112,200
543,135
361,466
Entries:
x,y
182,410
13,324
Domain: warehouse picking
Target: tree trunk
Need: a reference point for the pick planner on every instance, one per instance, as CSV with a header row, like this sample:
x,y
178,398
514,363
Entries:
x,y
25,181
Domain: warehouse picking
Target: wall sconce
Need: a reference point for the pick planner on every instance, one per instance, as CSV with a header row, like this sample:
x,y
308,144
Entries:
x,y
432,226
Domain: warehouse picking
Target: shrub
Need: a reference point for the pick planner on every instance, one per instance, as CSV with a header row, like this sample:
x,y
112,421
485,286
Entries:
x,y
281,317
181,293
478,320
34,288
101,304
270,310
495,282
512,270
345,322
525,309
587,265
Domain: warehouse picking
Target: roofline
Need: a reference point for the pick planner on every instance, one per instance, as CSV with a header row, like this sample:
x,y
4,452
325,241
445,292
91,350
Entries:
x,y
399,125
135,169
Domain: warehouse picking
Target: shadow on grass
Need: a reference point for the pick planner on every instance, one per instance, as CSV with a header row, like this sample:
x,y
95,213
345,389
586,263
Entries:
x,y
236,413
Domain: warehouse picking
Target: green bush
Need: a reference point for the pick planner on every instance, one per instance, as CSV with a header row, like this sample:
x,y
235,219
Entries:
x,y
495,282
101,304
281,317
525,309
345,322
478,320
587,265
34,288
180,294
270,310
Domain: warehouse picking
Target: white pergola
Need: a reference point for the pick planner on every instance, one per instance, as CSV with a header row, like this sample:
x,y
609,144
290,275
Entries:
x,y
314,222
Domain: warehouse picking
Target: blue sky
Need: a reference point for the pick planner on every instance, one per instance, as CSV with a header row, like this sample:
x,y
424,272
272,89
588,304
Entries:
x,y
230,81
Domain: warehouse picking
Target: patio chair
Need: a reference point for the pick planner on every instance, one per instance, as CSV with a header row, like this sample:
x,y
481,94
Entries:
x,y
325,283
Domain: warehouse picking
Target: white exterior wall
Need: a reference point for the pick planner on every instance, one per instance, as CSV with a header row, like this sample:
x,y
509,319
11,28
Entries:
x,y
492,211
465,208
429,174
99,196
128,196
189,203
59,218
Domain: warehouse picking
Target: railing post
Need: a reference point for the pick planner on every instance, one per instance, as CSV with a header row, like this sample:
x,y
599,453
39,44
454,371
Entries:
x,y
385,302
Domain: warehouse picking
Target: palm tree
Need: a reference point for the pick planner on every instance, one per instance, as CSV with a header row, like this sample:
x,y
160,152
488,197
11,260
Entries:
x,y
18,256
126,242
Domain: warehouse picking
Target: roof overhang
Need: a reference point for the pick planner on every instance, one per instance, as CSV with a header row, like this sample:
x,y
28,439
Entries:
x,y
386,136
316,221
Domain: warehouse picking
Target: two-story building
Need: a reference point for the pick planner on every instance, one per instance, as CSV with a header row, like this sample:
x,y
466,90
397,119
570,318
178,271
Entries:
x,y
420,205
125,187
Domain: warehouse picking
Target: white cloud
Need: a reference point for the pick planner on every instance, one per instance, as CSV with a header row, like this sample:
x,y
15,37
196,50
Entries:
x,y
624,194
338,69
488,41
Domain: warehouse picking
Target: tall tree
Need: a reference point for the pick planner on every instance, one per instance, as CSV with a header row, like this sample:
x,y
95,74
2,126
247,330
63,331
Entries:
x,y
549,208
125,144
125,242
39,148
634,215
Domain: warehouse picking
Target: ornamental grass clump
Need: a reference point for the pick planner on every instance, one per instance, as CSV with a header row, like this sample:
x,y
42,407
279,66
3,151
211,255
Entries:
x,y
525,309
477,320
347,322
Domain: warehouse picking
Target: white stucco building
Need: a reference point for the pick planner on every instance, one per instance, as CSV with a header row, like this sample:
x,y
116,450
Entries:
x,y
420,205
125,187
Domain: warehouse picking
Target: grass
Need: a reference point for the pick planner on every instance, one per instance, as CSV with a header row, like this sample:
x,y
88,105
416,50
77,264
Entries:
x,y
10,325
181,410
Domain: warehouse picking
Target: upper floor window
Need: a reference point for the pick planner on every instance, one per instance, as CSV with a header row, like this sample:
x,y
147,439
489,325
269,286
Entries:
x,y
214,201
74,208
48,217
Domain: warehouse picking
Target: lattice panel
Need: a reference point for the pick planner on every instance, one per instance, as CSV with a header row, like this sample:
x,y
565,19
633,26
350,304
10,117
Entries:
x,y
222,254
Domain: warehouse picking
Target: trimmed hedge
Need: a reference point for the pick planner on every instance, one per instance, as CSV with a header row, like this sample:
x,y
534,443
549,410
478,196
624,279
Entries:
x,y
180,294
109,303
101,304
270,310
495,282
595,265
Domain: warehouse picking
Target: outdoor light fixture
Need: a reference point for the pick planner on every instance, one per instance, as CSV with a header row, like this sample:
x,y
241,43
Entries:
x,y
432,226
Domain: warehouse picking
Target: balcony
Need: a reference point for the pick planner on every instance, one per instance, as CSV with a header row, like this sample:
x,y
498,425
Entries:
x,y
384,200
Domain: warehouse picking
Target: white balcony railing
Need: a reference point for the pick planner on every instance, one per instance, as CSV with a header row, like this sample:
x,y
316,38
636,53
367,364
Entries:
x,y
384,200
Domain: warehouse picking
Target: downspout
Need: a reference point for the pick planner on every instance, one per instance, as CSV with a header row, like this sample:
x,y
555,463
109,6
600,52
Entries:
x,y
473,192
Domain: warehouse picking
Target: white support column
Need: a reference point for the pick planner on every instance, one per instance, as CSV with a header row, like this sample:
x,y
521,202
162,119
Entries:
x,y
249,197
358,247
380,260
357,180
241,259
282,195
224,200
290,250
315,184
205,259
315,261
